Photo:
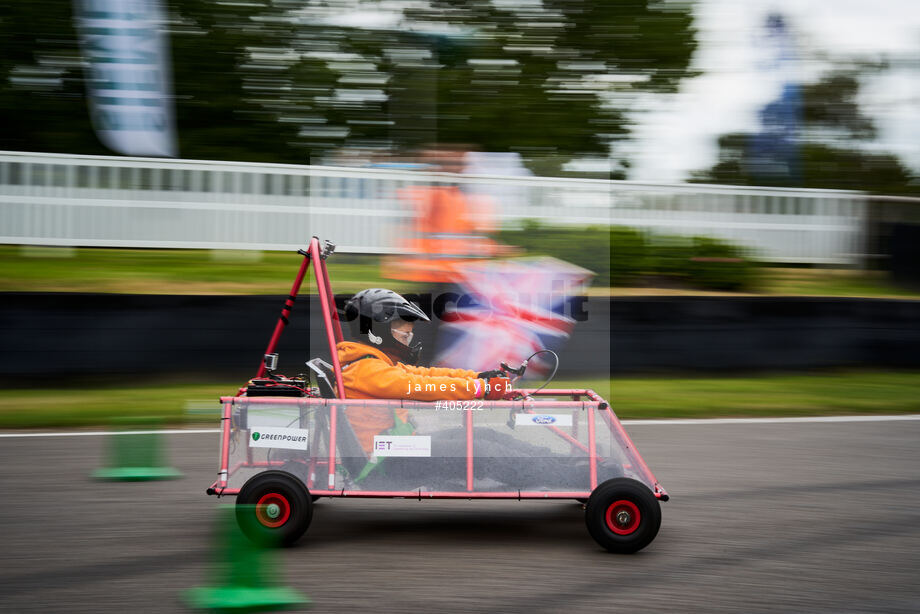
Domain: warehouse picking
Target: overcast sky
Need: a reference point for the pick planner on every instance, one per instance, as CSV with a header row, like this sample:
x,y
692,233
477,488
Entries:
x,y
678,134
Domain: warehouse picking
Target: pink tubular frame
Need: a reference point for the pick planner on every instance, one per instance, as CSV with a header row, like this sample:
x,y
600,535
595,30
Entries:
x,y
334,335
596,404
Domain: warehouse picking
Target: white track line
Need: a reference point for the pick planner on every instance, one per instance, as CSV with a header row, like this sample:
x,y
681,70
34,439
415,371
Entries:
x,y
97,433
661,422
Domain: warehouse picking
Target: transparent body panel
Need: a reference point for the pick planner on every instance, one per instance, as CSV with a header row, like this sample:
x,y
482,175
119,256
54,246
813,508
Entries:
x,y
541,447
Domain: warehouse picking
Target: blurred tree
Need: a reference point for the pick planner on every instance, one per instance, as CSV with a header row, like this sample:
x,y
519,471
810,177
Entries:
x,y
227,58
287,80
830,104
42,98
217,83
833,145
552,77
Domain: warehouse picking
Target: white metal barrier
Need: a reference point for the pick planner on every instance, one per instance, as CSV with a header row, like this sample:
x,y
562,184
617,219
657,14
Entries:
x,y
54,199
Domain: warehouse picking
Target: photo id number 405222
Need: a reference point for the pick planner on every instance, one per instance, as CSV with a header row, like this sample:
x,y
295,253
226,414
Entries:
x,y
458,405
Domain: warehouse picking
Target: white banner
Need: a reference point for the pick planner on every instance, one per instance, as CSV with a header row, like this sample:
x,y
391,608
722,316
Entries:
x,y
129,84
277,437
402,445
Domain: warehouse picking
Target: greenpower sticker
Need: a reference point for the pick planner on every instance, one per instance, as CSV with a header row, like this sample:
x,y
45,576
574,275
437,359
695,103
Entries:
x,y
277,437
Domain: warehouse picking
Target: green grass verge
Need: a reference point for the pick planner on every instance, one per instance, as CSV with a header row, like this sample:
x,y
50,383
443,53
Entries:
x,y
773,395
166,403
155,271
792,395
832,282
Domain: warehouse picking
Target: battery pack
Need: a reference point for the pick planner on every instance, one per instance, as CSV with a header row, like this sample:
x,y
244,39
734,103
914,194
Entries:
x,y
265,387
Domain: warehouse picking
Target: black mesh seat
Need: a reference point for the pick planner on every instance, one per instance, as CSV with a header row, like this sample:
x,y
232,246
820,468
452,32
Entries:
x,y
350,453
325,377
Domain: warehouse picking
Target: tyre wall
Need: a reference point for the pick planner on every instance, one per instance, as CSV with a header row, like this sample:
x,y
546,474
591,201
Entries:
x,y
47,335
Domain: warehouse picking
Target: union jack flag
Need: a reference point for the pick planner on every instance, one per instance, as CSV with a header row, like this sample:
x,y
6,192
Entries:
x,y
509,309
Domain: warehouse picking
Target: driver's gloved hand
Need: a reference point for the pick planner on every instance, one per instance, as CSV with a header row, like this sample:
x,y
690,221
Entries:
x,y
491,374
497,388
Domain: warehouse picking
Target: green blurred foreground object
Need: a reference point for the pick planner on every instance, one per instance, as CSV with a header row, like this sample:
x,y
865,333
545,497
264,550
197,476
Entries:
x,y
135,453
246,574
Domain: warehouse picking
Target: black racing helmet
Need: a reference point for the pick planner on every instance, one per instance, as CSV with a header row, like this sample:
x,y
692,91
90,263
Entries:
x,y
369,314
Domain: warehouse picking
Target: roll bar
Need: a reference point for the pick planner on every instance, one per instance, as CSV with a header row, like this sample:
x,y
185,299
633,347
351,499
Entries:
x,y
331,323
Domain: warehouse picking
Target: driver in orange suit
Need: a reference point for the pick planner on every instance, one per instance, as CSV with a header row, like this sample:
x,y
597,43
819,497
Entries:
x,y
381,365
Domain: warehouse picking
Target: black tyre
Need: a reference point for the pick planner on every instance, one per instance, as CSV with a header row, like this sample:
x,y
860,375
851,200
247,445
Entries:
x,y
273,508
623,515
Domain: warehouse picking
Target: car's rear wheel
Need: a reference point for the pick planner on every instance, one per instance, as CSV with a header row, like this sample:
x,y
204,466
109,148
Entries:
x,y
273,508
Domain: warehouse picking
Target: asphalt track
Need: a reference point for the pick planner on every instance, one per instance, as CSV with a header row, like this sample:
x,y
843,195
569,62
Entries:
x,y
764,517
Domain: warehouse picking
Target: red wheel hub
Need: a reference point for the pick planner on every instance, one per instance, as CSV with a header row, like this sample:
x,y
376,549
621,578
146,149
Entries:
x,y
273,510
623,517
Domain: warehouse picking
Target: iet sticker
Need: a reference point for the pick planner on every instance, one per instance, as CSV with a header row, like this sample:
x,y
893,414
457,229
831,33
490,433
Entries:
x,y
277,437
543,419
402,445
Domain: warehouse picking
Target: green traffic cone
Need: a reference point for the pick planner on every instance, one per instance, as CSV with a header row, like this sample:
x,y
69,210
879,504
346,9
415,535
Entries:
x,y
246,579
136,456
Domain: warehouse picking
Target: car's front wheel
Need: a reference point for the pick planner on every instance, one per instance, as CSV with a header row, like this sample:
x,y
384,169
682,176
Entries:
x,y
623,515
